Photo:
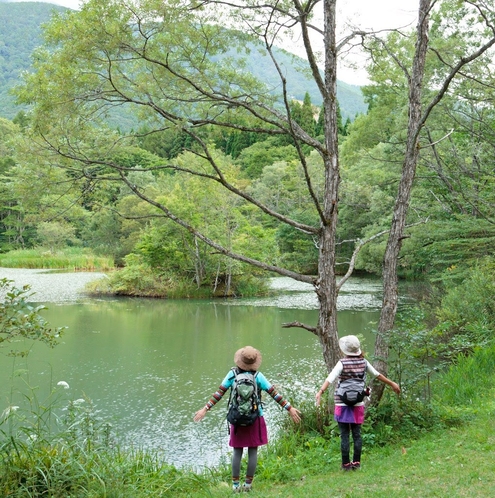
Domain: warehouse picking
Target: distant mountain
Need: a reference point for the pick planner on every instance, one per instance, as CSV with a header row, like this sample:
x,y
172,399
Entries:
x,y
349,96
20,34
20,30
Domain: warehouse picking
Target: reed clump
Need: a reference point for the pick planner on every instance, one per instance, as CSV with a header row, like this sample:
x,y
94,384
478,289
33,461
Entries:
x,y
71,258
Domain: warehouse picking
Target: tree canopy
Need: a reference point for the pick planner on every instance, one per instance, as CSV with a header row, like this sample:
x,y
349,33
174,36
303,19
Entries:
x,y
171,65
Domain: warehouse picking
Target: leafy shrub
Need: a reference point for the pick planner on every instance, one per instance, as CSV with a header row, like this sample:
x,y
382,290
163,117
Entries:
x,y
468,309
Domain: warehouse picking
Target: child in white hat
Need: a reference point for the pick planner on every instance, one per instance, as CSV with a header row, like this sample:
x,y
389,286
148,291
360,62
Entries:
x,y
353,367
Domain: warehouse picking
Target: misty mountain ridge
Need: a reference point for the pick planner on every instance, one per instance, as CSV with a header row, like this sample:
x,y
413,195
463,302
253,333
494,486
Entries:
x,y
20,34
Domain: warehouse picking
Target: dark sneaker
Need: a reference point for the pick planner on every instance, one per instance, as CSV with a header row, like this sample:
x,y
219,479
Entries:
x,y
356,465
346,466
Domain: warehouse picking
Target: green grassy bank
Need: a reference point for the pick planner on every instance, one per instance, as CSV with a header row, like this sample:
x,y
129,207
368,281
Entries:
x,y
83,461
457,462
74,258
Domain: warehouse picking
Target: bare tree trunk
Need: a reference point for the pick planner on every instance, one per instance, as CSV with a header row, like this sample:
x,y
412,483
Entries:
x,y
326,286
396,236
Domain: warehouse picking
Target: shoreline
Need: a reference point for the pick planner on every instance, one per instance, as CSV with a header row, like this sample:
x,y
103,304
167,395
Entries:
x,y
49,286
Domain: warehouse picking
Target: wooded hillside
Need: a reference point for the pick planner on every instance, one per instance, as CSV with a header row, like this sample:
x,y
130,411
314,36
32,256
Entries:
x,y
20,33
20,29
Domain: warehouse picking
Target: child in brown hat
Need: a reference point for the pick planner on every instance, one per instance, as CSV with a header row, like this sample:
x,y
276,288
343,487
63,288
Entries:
x,y
247,359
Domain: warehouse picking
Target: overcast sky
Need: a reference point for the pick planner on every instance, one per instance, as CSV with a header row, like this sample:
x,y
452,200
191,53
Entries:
x,y
367,14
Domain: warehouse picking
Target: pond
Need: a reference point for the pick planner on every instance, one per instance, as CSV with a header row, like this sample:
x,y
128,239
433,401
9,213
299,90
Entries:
x,y
148,365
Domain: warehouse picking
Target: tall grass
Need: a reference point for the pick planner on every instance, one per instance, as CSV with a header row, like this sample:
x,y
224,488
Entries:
x,y
71,258
59,447
467,382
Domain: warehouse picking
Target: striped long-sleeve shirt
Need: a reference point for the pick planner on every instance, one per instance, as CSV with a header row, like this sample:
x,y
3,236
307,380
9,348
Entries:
x,y
263,384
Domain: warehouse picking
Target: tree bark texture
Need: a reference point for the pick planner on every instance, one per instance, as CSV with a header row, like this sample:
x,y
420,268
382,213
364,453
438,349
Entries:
x,y
326,285
396,235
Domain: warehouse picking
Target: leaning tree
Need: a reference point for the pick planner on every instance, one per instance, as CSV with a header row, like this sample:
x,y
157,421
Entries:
x,y
178,65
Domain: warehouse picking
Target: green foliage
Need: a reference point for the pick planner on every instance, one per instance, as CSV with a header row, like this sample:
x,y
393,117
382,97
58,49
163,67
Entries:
x,y
417,353
298,250
74,258
466,383
281,187
445,249
454,182
55,235
105,234
304,114
254,158
466,314
138,279
21,320
176,262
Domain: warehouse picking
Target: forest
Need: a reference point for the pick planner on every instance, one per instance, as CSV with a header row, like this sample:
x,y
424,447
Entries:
x,y
223,178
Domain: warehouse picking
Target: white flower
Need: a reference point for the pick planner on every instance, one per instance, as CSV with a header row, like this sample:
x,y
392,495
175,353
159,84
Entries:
x,y
8,411
63,384
78,401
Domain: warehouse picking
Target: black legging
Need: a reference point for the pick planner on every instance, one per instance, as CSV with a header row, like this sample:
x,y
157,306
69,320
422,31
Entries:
x,y
345,430
252,461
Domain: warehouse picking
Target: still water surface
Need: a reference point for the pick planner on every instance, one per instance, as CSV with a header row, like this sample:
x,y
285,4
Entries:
x,y
148,365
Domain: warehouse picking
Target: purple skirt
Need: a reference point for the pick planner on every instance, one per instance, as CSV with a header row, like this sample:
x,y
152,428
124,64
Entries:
x,y
349,414
249,437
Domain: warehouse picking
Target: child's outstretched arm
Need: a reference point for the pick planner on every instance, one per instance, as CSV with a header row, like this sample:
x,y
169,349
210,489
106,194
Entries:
x,y
294,413
216,397
323,388
389,382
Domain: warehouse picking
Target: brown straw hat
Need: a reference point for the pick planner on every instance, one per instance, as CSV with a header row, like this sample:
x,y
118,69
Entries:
x,y
247,358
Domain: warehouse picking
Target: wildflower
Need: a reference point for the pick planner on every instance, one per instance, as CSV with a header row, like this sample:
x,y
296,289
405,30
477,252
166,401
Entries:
x,y
78,401
63,384
8,411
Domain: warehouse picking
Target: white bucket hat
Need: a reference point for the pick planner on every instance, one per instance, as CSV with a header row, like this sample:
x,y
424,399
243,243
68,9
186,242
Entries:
x,y
350,345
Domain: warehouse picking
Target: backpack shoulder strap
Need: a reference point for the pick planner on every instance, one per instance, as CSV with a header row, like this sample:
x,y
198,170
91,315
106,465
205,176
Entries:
x,y
235,371
256,390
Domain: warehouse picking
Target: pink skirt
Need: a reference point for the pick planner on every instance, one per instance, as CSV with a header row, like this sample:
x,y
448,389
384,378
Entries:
x,y
349,414
249,437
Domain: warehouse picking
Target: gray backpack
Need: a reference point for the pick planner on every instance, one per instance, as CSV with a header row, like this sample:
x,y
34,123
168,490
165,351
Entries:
x,y
351,391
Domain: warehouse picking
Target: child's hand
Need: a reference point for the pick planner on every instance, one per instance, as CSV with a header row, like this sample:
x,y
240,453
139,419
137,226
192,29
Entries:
x,y
200,414
295,414
318,398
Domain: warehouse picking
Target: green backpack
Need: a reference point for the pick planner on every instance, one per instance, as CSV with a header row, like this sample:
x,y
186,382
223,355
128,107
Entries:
x,y
244,401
